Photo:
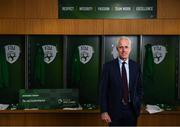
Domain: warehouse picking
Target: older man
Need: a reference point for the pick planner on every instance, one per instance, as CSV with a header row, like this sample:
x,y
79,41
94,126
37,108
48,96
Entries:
x,y
120,88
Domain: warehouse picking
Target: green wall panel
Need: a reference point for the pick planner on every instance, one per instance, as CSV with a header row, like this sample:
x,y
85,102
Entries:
x,y
15,71
84,76
160,84
50,74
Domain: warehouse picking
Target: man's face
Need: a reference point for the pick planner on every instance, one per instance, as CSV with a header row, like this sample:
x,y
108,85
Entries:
x,y
124,48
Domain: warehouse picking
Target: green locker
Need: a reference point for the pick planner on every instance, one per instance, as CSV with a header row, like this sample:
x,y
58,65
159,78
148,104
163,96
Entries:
x,y
160,69
12,67
83,62
45,61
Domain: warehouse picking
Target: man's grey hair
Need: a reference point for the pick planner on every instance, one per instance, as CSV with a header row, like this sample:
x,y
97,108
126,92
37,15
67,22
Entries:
x,y
123,37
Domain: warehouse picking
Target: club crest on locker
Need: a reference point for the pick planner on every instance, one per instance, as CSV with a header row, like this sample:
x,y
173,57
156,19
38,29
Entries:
x,y
49,53
159,53
85,53
12,53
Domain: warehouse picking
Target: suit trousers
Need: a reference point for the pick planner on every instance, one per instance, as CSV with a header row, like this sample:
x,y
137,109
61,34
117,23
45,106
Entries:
x,y
127,117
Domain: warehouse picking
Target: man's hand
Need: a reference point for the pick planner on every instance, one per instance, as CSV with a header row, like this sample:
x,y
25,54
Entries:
x,y
105,117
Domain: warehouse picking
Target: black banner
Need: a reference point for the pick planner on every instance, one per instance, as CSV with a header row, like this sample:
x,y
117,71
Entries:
x,y
107,9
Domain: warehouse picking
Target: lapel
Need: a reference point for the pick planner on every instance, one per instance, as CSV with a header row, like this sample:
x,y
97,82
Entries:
x,y
131,75
117,71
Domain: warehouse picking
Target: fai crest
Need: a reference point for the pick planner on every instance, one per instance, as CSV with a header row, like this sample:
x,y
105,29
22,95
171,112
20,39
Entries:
x,y
12,53
114,52
159,53
49,53
85,53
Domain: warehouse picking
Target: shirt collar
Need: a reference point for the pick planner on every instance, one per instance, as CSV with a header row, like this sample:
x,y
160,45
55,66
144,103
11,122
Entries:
x,y
121,61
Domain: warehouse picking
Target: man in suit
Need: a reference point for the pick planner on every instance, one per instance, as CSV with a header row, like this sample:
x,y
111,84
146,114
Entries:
x,y
120,88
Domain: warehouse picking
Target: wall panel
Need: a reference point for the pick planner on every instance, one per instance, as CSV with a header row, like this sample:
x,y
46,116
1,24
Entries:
x,y
79,27
41,9
79,118
12,26
168,9
142,27
50,26
12,9
41,17
37,26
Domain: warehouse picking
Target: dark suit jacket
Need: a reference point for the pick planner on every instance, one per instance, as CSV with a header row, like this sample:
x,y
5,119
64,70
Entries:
x,y
111,88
